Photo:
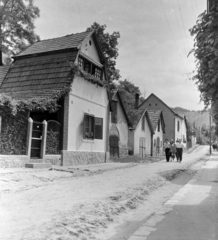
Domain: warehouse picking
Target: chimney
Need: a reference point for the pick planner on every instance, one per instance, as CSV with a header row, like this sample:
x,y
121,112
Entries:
x,y
136,100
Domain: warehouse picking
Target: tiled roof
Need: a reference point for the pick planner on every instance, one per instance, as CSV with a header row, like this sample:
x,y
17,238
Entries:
x,y
154,116
61,43
152,94
39,76
3,72
135,116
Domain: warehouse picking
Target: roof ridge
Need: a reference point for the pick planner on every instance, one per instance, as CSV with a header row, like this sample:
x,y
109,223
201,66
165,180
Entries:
x,y
62,36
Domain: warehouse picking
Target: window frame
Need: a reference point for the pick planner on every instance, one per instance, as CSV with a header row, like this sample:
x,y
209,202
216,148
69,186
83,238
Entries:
x,y
89,67
143,123
92,131
178,126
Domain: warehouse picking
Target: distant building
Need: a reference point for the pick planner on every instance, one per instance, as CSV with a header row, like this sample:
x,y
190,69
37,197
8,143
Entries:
x,y
175,125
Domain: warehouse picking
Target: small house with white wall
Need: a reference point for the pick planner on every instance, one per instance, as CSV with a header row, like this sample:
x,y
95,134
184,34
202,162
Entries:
x,y
119,127
175,125
157,120
140,143
55,103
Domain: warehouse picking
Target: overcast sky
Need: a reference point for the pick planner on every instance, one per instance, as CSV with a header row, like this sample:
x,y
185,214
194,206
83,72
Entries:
x,y
154,42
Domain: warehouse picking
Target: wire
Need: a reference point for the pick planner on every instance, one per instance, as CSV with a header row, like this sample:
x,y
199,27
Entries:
x,y
181,35
194,13
172,34
183,24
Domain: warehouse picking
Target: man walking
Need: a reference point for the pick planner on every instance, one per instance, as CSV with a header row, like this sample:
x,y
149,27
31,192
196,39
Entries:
x,y
179,150
167,150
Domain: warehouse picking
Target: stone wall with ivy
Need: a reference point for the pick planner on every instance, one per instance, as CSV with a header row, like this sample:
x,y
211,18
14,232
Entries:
x,y
13,134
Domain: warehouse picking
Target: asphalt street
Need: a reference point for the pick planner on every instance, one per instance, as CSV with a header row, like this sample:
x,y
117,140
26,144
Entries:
x,y
191,214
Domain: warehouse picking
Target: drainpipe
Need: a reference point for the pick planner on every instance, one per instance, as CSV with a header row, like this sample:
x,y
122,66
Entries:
x,y
1,16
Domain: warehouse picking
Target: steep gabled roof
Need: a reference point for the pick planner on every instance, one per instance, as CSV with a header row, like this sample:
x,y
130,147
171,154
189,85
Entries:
x,y
55,44
156,116
152,94
115,93
136,116
3,72
38,77
45,67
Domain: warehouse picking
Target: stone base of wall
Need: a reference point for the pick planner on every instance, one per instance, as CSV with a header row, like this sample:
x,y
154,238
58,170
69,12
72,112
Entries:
x,y
16,161
53,159
70,158
10,161
123,152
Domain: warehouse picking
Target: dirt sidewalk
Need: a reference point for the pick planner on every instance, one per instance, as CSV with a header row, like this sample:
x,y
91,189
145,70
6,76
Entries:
x,y
38,204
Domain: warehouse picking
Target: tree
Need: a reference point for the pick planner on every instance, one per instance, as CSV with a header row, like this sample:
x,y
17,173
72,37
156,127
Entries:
x,y
108,44
206,53
17,25
128,91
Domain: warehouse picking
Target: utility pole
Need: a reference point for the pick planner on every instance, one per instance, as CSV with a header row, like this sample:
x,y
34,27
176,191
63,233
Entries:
x,y
210,116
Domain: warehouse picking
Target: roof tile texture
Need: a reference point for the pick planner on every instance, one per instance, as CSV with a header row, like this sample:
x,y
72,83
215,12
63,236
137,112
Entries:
x,y
39,76
50,45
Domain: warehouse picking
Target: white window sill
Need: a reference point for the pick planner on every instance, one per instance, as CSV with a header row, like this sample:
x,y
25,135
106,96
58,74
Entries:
x,y
88,140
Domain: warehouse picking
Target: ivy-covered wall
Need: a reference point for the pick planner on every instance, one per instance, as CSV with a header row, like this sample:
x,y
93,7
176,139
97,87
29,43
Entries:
x,y
13,134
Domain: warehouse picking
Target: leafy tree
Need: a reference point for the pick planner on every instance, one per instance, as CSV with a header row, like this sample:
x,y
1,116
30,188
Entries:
x,y
128,91
108,44
206,53
17,25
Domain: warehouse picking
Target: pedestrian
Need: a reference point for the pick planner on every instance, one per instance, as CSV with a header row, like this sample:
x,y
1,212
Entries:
x,y
177,152
167,150
179,149
172,149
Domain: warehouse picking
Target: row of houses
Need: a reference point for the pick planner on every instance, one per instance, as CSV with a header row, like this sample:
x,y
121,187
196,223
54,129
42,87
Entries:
x,y
66,113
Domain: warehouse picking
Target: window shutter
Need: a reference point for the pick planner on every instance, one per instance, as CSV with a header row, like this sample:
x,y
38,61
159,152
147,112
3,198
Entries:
x,y
85,121
98,128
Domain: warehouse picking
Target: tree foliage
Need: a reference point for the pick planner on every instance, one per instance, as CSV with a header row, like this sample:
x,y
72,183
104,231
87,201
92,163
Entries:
x,y
17,24
108,44
128,91
206,53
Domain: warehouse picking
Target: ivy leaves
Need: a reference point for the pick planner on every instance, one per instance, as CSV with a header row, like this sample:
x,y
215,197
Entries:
x,y
206,53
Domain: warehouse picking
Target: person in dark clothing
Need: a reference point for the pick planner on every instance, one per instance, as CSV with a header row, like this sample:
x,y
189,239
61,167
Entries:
x,y
179,150
172,149
167,150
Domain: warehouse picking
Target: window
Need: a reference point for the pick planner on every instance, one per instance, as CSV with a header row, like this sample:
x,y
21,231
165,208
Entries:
x,y
97,73
87,66
90,67
143,123
178,126
81,63
114,112
158,126
98,128
88,131
92,127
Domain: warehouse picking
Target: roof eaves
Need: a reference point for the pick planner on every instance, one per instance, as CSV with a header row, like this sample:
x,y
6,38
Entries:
x,y
43,53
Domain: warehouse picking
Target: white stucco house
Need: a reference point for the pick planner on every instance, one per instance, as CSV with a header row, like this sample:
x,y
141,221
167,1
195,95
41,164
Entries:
x,y
69,71
140,135
119,127
157,120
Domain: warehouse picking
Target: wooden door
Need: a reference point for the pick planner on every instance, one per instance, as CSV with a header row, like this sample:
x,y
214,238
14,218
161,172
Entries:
x,y
114,146
142,147
36,140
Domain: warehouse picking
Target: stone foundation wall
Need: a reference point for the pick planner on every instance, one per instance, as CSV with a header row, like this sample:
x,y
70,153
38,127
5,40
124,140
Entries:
x,y
53,159
70,158
13,162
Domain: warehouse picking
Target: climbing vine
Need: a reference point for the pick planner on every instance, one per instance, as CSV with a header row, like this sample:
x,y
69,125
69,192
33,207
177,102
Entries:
x,y
206,53
49,103
13,134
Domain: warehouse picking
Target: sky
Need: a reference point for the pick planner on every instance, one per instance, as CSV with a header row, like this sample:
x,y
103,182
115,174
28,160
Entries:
x,y
153,46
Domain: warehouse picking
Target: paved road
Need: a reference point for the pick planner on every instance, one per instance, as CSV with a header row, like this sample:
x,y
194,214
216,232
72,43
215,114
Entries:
x,y
191,214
